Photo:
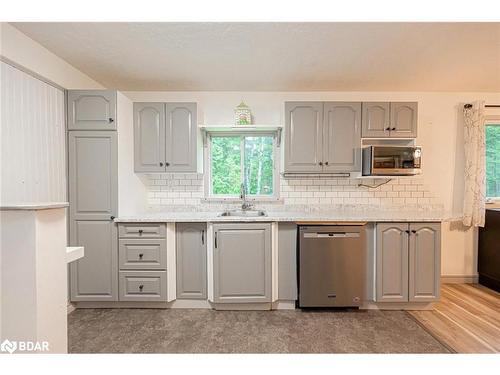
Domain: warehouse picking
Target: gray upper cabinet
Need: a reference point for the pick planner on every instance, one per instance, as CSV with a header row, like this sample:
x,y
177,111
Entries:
x,y
389,120
191,257
165,137
95,276
342,137
392,262
303,137
425,262
404,119
93,171
149,137
242,263
376,119
91,110
181,137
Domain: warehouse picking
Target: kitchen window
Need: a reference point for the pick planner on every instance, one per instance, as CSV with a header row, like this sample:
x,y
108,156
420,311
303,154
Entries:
x,y
493,161
237,160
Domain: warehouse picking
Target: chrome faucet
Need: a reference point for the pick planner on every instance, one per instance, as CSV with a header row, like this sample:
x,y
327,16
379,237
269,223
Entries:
x,y
243,195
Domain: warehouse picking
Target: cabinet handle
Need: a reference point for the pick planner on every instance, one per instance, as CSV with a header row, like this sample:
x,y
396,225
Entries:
x,y
112,217
140,231
215,240
140,256
203,237
407,231
111,120
320,163
167,164
141,287
393,129
388,128
326,163
414,231
161,164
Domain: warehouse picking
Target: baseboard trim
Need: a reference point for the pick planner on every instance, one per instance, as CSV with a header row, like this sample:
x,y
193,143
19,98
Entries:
x,y
71,308
459,279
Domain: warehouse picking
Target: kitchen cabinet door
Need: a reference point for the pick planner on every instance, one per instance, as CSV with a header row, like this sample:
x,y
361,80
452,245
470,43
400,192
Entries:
x,y
404,119
392,262
95,276
242,263
93,171
149,137
181,137
91,110
191,255
376,119
303,137
425,262
342,137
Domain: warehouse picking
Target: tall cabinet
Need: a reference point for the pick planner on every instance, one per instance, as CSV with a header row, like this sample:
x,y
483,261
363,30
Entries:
x,y
93,194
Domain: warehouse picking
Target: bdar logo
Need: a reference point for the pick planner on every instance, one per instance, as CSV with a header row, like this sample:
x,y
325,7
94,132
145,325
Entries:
x,y
8,346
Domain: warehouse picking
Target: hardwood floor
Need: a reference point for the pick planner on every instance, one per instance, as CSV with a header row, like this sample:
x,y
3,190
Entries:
x,y
467,319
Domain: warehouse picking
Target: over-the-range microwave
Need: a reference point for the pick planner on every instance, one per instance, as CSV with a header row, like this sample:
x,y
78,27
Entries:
x,y
392,160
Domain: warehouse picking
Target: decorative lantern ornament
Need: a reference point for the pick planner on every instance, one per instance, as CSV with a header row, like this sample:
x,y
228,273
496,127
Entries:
x,y
242,115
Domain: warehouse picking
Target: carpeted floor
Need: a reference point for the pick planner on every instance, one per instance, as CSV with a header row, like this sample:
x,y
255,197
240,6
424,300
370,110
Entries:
x,y
209,331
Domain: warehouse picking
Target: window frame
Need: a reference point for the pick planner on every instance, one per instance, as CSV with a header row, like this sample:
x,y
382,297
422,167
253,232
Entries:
x,y
209,196
489,121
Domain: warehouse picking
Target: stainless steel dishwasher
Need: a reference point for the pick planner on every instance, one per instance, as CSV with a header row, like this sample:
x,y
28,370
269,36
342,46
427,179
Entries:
x,y
332,266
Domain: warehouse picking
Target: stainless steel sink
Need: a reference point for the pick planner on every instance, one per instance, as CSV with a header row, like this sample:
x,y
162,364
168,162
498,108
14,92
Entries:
x,y
244,213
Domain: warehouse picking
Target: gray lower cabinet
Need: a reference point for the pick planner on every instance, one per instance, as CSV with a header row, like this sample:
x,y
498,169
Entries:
x,y
392,262
425,262
92,160
147,286
191,257
142,262
95,276
389,120
91,110
165,137
242,262
149,137
408,262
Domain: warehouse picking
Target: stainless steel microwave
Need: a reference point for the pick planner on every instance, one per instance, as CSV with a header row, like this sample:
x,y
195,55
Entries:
x,y
392,160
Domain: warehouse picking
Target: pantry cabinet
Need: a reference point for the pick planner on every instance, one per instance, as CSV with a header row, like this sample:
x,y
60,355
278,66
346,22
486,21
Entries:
x,y
408,266
165,137
322,137
389,120
242,262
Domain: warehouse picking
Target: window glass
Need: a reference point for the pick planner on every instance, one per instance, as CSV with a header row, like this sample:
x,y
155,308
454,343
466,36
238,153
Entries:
x,y
493,161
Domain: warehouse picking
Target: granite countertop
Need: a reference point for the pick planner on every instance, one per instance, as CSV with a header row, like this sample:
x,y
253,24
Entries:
x,y
32,206
290,216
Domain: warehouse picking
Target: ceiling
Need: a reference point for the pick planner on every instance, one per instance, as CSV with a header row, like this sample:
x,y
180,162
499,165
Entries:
x,y
279,56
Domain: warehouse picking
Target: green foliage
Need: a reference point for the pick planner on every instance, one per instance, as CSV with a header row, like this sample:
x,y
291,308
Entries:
x,y
493,160
257,168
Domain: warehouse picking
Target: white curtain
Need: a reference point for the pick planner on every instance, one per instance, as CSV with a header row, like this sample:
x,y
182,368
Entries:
x,y
475,150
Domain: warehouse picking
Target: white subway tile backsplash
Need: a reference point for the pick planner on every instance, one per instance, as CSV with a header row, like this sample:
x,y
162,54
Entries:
x,y
188,189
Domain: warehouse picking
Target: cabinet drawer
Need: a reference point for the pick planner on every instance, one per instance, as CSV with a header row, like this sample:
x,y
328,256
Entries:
x,y
142,254
146,230
143,286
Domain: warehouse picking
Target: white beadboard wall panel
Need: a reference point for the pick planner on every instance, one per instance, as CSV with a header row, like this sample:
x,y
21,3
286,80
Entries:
x,y
33,139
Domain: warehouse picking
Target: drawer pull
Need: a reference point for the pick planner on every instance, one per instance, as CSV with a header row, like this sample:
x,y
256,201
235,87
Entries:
x,y
140,231
141,287
140,256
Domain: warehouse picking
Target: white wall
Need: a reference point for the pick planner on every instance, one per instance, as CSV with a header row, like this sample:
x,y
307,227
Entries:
x,y
23,50
439,133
